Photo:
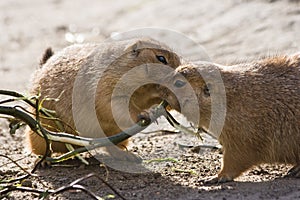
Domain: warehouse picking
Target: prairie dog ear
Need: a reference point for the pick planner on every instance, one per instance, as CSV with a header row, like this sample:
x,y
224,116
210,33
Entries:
x,y
135,47
207,89
142,43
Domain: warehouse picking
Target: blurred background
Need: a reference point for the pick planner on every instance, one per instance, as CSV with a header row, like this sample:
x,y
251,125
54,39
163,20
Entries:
x,y
229,30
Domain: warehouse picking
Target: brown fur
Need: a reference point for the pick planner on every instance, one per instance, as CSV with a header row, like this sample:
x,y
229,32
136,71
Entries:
x,y
262,123
56,80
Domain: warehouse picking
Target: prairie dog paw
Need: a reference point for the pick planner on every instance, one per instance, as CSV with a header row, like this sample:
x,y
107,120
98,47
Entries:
x,y
217,180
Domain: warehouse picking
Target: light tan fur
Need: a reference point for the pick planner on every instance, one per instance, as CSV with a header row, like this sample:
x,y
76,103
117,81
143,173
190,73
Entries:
x,y
262,123
98,67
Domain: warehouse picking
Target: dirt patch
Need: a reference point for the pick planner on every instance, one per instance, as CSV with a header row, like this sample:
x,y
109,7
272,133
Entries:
x,y
231,31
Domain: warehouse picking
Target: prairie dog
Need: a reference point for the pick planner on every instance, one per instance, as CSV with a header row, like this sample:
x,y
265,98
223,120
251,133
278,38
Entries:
x,y
262,121
98,67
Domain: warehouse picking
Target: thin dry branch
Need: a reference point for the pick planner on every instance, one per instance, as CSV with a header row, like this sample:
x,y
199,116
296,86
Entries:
x,y
20,178
75,185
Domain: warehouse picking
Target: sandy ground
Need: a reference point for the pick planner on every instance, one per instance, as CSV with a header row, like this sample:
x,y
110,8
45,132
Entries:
x,y
230,31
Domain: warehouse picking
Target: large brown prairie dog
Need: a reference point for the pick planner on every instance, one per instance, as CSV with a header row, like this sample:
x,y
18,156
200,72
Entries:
x,y
87,73
262,121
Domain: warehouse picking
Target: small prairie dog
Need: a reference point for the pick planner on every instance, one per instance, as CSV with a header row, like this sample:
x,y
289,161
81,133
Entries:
x,y
262,121
98,67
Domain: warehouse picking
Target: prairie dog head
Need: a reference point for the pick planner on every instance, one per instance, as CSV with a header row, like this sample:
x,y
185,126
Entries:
x,y
195,88
133,83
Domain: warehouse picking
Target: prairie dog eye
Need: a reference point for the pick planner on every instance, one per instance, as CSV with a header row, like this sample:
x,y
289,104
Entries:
x,y
179,83
162,59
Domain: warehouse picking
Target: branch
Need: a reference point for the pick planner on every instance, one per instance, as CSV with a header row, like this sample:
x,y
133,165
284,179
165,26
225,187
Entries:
x,y
82,141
